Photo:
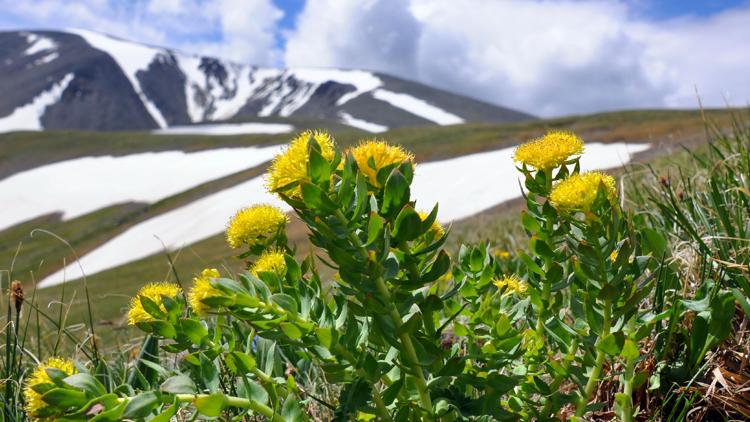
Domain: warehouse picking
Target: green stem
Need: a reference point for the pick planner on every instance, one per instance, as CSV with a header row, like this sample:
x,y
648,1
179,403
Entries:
x,y
627,389
599,362
560,377
409,351
406,343
379,403
238,402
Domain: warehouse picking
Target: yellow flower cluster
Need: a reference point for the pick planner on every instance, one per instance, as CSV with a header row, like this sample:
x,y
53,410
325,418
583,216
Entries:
x,y
252,223
512,284
270,261
436,230
202,289
579,191
372,156
35,406
549,151
153,291
291,165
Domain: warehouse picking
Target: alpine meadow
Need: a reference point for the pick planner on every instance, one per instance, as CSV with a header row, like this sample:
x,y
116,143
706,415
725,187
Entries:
x,y
374,210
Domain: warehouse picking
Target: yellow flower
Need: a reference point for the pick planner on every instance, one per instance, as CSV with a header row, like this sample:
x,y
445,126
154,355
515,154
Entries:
x,y
153,291
372,156
202,289
501,253
579,191
271,261
549,151
290,166
252,223
512,284
36,408
436,229
613,256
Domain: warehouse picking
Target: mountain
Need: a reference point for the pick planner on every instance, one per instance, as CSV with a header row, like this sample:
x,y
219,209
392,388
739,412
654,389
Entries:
x,y
86,80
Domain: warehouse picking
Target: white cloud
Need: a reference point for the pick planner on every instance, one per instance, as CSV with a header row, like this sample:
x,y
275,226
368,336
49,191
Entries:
x,y
364,34
545,57
541,56
242,30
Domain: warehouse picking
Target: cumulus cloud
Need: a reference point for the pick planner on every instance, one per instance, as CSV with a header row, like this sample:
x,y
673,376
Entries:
x,y
544,57
367,34
541,56
242,30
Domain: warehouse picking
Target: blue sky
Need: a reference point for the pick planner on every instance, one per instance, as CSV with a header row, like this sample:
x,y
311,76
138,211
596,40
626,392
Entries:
x,y
541,56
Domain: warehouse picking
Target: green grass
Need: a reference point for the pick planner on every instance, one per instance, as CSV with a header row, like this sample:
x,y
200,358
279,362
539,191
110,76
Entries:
x,y
33,257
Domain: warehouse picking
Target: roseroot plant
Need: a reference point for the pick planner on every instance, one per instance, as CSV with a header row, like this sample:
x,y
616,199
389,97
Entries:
x,y
401,333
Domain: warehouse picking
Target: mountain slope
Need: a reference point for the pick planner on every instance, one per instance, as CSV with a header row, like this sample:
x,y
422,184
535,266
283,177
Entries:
x,y
85,80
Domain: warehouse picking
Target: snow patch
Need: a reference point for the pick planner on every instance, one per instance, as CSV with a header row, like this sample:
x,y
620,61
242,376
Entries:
x,y
46,59
417,107
463,186
131,58
227,129
467,185
29,116
352,121
294,87
38,44
361,80
83,185
177,228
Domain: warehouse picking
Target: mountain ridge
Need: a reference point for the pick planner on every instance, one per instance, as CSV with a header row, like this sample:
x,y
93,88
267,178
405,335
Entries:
x,y
121,85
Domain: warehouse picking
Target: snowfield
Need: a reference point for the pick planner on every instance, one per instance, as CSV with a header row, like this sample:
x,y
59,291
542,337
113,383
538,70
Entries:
x,y
227,129
131,58
417,107
352,121
83,185
38,44
463,186
29,116
176,228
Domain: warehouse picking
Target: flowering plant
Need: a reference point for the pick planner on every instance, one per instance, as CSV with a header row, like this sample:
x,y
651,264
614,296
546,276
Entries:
x,y
400,332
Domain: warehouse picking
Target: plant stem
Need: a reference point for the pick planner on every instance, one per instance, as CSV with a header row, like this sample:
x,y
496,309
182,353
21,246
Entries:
x,y
599,362
408,347
238,402
560,377
627,389
379,403
409,351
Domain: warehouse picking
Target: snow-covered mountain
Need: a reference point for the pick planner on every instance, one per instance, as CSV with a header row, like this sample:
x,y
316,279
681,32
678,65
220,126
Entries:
x,y
85,80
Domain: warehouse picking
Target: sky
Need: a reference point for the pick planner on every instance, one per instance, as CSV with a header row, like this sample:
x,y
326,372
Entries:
x,y
548,58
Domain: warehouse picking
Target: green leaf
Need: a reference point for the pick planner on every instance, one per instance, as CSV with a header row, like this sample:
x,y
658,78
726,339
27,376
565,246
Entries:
x,y
316,199
630,350
291,330
61,397
393,390
610,344
408,225
656,243
319,168
286,302
291,411
239,362
179,384
163,329
194,330
86,383
325,336
152,308
396,194
141,405
210,405
167,415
